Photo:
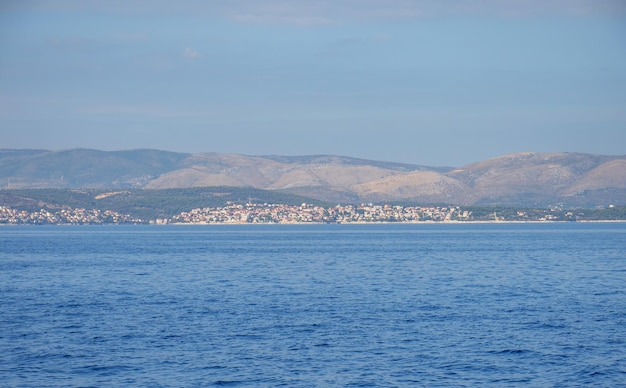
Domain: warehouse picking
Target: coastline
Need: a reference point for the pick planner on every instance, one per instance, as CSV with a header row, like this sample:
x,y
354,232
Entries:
x,y
385,223
388,223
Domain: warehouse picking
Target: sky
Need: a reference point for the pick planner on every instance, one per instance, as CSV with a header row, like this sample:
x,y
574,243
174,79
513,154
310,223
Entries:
x,y
439,83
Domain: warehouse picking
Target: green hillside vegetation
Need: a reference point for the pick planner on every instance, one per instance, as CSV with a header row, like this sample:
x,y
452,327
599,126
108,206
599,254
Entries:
x,y
141,203
501,213
610,213
166,203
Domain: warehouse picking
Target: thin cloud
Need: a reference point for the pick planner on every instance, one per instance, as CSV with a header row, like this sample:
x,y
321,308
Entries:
x,y
190,53
141,111
69,43
281,19
131,37
317,13
324,12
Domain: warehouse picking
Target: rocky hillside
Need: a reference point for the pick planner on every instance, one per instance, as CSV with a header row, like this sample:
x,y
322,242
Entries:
x,y
527,179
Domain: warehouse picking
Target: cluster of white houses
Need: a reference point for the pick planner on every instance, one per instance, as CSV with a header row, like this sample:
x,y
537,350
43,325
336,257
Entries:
x,y
64,216
307,213
245,214
252,213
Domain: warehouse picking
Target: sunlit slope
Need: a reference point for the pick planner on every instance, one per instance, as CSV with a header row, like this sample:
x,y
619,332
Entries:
x,y
533,179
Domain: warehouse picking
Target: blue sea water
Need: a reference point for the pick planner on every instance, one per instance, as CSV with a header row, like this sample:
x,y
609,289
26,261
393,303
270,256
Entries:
x,y
313,305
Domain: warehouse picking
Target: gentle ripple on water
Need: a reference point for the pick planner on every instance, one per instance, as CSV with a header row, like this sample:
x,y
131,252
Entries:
x,y
328,305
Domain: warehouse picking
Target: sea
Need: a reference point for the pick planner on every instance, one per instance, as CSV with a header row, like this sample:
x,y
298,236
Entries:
x,y
382,305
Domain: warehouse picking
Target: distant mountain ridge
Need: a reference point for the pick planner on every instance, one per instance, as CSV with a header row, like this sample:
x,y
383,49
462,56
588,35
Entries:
x,y
522,179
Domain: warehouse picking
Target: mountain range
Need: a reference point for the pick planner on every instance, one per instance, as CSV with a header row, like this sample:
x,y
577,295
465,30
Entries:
x,y
521,179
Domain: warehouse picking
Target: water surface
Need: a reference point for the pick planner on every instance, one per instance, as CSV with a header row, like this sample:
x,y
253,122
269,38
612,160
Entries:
x,y
314,305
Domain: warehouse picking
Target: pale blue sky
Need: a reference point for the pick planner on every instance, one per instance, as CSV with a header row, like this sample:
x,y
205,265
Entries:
x,y
428,82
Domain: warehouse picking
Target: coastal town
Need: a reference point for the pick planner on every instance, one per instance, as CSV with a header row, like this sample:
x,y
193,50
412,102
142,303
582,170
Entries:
x,y
306,213
65,216
252,213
